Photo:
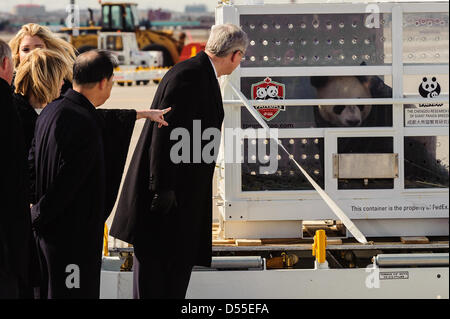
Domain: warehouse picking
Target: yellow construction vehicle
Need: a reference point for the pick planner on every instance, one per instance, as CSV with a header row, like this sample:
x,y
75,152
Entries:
x,y
123,17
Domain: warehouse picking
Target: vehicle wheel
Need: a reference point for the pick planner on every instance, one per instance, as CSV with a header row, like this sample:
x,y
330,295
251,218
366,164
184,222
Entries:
x,y
156,81
121,83
145,82
130,83
138,83
167,58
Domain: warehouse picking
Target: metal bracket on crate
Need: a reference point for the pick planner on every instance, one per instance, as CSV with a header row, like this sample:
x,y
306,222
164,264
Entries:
x,y
365,166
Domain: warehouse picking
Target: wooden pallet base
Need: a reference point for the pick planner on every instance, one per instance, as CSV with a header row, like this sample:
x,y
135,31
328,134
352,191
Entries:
x,y
333,243
271,241
414,240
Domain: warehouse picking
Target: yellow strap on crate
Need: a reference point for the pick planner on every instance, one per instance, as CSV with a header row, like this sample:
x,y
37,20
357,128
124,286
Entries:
x,y
105,241
319,246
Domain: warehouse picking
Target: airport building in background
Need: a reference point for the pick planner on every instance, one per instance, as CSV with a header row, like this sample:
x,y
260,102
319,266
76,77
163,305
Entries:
x,y
196,9
29,10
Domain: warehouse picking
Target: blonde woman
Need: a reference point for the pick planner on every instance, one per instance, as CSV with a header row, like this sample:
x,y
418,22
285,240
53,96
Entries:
x,y
39,78
34,36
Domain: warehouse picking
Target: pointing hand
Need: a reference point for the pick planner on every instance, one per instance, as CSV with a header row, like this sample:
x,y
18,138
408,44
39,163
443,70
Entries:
x,y
154,115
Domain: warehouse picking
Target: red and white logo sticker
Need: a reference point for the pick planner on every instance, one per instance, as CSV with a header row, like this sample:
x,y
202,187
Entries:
x,y
268,90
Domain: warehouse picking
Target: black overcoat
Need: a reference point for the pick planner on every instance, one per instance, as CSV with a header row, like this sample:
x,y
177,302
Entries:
x,y
15,221
78,164
192,90
28,117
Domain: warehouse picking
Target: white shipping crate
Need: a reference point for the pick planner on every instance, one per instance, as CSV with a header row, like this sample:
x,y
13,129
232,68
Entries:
x,y
338,81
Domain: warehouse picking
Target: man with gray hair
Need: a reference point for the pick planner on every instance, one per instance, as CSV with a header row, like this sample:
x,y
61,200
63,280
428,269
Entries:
x,y
225,48
6,68
165,209
15,219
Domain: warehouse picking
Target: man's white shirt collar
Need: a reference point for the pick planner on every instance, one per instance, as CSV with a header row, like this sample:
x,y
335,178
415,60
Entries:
x,y
214,68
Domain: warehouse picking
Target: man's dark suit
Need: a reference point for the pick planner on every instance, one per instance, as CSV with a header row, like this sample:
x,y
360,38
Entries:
x,y
168,246
78,156
15,220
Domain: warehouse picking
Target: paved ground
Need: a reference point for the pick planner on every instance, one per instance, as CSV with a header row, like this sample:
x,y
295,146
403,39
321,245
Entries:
x,y
134,97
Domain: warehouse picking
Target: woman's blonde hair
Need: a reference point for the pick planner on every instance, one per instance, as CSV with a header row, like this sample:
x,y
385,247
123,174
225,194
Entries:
x,y
52,42
40,75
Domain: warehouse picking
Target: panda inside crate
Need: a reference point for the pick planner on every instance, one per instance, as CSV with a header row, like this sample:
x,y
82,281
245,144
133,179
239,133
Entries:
x,y
351,87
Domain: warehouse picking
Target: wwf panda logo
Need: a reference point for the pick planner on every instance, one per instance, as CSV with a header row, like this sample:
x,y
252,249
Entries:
x,y
429,88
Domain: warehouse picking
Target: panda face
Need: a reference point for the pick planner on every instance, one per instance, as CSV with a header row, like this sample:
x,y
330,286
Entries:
x,y
272,92
344,115
261,93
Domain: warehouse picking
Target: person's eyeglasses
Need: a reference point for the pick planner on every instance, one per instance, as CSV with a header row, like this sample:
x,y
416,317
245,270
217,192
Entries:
x,y
239,51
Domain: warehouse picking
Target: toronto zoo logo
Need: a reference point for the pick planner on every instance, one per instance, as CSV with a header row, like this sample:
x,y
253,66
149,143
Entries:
x,y
268,90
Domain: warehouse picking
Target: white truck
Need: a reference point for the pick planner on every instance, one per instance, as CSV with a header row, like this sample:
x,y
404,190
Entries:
x,y
135,66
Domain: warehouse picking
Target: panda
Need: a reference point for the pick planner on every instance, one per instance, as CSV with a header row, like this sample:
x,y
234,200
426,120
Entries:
x,y
261,93
342,87
429,89
272,93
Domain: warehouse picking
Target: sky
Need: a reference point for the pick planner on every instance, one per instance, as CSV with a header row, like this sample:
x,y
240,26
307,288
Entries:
x,y
175,5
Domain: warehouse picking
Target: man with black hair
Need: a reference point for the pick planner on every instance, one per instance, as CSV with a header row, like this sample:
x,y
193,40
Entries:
x,y
77,157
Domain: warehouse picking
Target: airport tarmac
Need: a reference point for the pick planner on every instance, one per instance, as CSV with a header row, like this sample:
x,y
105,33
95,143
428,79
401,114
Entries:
x,y
132,97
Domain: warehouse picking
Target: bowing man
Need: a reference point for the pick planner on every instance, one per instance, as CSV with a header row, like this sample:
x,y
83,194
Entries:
x,y
164,200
